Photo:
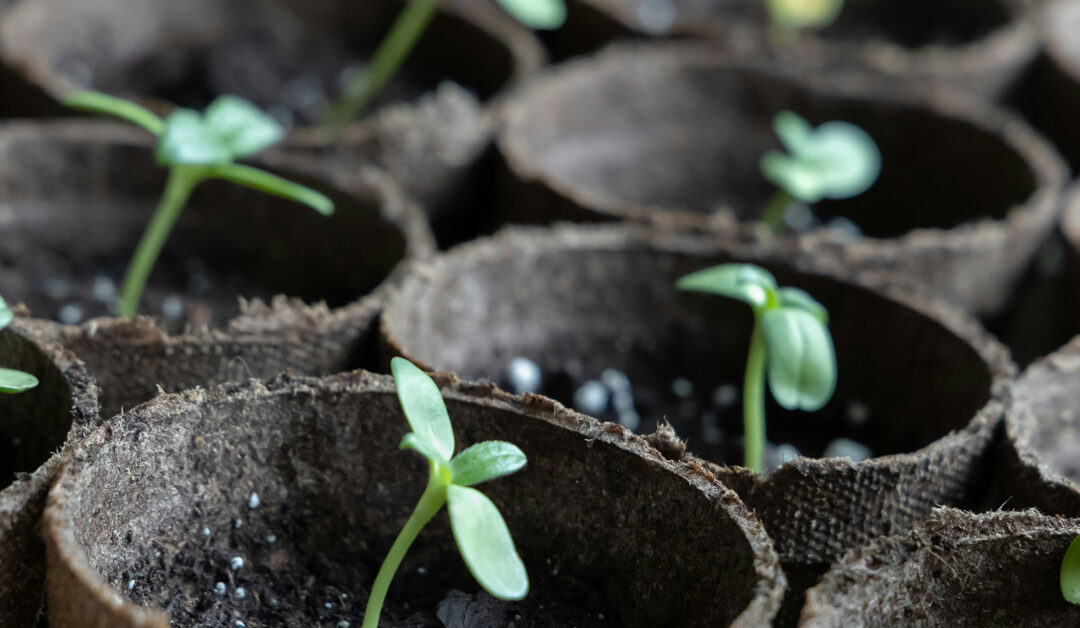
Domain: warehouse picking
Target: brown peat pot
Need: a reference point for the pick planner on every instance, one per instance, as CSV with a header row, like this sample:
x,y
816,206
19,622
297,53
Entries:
x,y
918,382
34,427
1050,93
959,569
980,45
153,510
1041,450
78,195
287,54
674,134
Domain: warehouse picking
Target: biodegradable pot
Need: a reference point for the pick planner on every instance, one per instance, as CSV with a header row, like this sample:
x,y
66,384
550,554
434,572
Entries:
x,y
1041,447
77,198
977,45
612,533
279,53
959,569
1049,95
1070,229
674,134
912,372
34,427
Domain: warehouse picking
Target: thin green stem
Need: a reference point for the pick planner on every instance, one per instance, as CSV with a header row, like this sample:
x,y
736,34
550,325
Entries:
x,y
391,53
430,502
182,180
773,215
754,401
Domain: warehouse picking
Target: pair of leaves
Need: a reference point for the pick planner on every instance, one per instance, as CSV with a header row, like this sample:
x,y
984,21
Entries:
x,y
836,160
231,128
537,14
11,380
797,14
479,529
801,359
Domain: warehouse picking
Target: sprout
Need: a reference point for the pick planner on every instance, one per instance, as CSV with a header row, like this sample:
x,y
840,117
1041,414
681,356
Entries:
x,y
836,160
798,14
1070,573
11,380
195,148
403,37
479,530
790,339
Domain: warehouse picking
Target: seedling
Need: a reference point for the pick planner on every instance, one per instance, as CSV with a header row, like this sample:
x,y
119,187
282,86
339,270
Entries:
x,y
195,148
792,15
479,529
1070,573
11,380
790,339
836,160
403,37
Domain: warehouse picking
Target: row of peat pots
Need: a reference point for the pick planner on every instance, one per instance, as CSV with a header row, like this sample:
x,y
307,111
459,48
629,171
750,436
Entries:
x,y
219,430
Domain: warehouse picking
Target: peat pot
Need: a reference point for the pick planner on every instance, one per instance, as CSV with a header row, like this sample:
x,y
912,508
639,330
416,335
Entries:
x,y
596,309
959,569
284,55
1050,93
34,427
1070,228
979,45
76,199
1040,452
302,480
674,134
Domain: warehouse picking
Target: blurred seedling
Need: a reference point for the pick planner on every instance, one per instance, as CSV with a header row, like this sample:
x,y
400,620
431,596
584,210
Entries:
x,y
196,147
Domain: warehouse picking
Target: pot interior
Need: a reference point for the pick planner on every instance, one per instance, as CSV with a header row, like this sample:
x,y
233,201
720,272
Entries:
x,y
682,133
33,424
77,200
905,380
593,522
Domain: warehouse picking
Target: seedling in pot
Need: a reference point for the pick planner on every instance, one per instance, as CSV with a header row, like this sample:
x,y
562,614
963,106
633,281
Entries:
x,y
836,160
11,380
1070,573
790,346
479,529
403,37
195,148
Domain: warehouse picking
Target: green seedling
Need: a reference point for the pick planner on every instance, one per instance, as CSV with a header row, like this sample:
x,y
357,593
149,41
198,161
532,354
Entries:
x,y
403,37
195,148
479,529
836,160
11,380
792,15
790,344
1070,573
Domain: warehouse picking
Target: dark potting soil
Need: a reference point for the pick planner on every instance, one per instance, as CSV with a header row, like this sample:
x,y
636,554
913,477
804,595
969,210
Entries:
x,y
269,570
710,419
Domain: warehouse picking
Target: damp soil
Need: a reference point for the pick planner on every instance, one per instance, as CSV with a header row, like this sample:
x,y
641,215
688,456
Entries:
x,y
709,418
307,567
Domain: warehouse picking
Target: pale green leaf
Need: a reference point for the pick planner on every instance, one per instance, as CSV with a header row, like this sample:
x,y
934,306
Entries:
x,y
424,408
537,14
744,282
793,130
187,140
486,461
6,315
796,14
799,299
241,126
485,543
1070,573
801,359
12,381
800,179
